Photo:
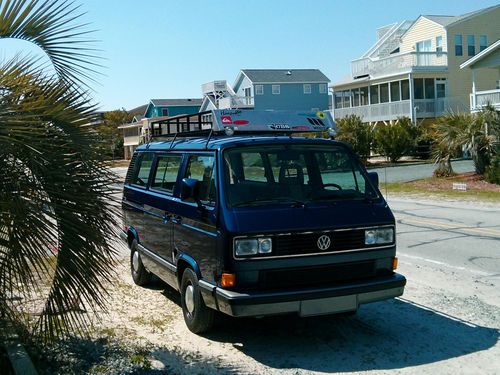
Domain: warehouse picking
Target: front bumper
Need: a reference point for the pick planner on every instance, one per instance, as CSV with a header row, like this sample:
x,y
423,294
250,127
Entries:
x,y
305,302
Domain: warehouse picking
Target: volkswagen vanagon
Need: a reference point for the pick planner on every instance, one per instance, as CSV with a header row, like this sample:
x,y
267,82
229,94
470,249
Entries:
x,y
244,215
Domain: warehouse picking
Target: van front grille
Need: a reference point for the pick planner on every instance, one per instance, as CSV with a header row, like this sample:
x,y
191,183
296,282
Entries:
x,y
307,243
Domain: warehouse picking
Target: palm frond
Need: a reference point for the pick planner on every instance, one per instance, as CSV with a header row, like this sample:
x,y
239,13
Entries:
x,y
54,194
52,26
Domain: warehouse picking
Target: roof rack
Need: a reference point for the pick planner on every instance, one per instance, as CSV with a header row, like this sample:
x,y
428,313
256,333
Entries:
x,y
251,122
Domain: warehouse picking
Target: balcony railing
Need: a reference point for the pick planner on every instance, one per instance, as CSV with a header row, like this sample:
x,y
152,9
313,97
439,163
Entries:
x,y
482,98
213,87
423,108
398,63
236,102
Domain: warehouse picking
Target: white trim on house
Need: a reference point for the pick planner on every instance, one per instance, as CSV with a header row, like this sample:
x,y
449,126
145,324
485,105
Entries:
x,y
480,55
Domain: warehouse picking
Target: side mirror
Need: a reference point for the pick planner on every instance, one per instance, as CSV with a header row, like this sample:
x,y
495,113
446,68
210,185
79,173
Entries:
x,y
189,189
373,178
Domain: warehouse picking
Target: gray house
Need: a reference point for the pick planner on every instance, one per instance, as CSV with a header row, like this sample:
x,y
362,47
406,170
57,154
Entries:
x,y
291,89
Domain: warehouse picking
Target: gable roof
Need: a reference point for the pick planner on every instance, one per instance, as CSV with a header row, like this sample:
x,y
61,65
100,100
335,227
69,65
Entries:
x,y
481,55
442,20
285,75
176,102
446,21
141,110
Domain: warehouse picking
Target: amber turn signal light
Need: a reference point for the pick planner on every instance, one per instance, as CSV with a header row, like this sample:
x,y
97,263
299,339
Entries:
x,y
228,280
394,263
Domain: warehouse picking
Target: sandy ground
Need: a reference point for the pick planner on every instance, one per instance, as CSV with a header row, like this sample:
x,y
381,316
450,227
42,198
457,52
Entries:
x,y
429,330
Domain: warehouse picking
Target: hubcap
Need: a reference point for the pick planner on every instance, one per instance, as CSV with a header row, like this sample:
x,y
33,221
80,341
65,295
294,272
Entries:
x,y
189,298
135,261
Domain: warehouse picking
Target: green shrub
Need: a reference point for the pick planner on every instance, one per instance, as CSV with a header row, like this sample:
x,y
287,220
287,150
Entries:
x,y
358,134
395,140
492,173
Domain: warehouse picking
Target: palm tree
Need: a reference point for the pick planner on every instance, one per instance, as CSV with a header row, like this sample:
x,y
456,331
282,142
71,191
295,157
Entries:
x,y
55,217
475,133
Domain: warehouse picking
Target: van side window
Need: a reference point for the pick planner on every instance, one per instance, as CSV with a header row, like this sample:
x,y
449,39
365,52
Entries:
x,y
201,167
141,169
167,169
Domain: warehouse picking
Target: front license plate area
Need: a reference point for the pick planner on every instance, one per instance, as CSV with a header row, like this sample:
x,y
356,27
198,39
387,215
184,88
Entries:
x,y
328,305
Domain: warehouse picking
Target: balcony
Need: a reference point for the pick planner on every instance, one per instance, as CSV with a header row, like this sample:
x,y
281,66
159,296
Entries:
x,y
424,108
482,98
399,63
236,102
213,86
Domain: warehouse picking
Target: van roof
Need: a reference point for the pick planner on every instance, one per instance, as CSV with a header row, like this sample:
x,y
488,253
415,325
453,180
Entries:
x,y
220,142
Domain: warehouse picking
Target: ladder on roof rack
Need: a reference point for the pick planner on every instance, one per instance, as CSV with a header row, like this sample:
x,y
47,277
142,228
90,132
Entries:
x,y
250,122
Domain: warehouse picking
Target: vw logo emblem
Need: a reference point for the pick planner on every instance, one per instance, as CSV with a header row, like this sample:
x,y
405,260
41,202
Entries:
x,y
324,242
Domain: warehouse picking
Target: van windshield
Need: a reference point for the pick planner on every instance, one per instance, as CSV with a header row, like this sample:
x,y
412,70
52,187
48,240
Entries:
x,y
293,174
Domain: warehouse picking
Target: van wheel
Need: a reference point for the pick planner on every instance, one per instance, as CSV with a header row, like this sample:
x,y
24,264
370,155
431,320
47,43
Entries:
x,y
198,317
139,273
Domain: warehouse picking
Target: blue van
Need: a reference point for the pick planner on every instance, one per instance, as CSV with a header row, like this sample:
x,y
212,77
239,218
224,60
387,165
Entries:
x,y
246,215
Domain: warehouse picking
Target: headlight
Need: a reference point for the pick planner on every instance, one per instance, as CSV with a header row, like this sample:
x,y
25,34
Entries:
x,y
252,246
379,236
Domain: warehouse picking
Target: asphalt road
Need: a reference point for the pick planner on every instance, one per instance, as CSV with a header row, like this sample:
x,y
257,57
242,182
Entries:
x,y
405,173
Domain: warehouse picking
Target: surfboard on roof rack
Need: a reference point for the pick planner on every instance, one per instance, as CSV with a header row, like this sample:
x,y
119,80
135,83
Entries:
x,y
230,121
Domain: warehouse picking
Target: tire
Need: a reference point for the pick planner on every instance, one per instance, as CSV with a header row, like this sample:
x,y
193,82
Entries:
x,y
140,275
198,317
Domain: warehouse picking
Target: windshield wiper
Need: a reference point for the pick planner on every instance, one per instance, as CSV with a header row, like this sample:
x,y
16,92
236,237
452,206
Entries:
x,y
271,200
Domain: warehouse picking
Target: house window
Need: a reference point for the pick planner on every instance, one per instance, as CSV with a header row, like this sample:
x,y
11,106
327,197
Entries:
x,y
384,93
418,88
440,87
307,88
471,46
164,112
322,88
363,97
355,98
347,98
483,42
395,97
405,89
338,99
439,45
374,94
458,45
276,89
429,88
259,89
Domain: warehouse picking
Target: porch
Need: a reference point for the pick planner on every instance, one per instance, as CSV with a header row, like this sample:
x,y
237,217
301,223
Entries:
x,y
480,99
421,108
399,63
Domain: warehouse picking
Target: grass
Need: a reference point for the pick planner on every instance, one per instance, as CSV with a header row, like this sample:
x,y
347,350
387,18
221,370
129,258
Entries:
x,y
442,187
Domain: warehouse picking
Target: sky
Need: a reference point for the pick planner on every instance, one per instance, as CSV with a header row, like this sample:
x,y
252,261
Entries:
x,y
167,49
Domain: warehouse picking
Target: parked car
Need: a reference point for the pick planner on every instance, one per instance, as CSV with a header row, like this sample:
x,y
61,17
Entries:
x,y
245,218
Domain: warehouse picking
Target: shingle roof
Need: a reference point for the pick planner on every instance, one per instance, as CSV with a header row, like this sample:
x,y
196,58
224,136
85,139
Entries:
x,y
443,20
285,75
138,110
176,102
448,20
